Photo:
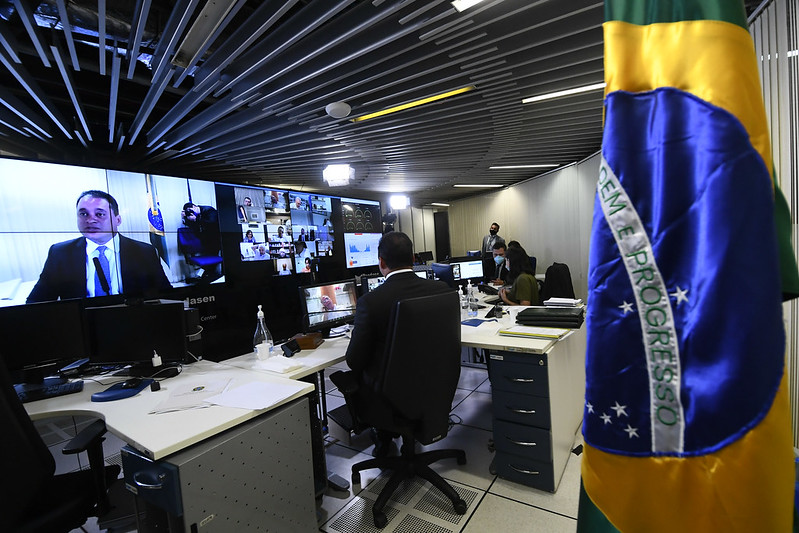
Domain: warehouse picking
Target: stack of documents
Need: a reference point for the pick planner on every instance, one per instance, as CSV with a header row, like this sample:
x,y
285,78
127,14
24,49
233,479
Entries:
x,y
563,302
534,332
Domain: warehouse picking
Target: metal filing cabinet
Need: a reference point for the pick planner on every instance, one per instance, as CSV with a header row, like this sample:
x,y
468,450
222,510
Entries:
x,y
537,408
255,477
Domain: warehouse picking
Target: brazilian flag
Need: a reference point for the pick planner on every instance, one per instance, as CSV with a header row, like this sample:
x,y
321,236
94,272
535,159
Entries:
x,y
687,419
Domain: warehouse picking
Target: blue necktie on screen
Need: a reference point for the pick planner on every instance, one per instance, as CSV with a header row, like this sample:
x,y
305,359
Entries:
x,y
98,286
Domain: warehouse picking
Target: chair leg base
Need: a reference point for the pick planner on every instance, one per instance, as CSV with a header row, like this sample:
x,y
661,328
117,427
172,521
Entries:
x,y
407,466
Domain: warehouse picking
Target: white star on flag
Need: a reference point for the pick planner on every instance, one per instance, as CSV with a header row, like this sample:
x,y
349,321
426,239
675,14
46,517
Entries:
x,y
606,418
631,431
626,307
680,294
620,410
589,407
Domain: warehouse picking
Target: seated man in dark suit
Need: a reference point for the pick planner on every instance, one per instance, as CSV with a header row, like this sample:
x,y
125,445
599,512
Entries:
x,y
372,315
102,262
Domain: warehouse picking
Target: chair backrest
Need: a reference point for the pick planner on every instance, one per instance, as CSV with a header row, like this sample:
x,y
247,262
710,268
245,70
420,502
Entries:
x,y
189,242
443,271
25,461
423,362
557,282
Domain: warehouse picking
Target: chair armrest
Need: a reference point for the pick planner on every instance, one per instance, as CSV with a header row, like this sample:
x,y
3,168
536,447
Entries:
x,y
86,439
347,384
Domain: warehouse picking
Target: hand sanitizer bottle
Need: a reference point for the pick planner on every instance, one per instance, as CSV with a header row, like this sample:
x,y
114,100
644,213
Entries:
x,y
471,299
262,340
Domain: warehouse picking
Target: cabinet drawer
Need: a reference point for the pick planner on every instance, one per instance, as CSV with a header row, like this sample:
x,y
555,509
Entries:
x,y
537,474
521,408
520,378
524,441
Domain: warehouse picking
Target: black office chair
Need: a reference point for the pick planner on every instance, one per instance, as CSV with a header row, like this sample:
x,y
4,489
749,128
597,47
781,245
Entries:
x,y
557,282
419,380
34,499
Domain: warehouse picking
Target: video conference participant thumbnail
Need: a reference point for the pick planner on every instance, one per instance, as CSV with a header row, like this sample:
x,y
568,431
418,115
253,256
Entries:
x,y
101,262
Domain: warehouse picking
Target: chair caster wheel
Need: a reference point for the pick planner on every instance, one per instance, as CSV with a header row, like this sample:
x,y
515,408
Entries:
x,y
380,519
460,507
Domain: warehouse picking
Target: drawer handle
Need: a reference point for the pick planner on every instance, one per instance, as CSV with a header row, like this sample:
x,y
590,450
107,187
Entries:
x,y
149,484
522,411
522,380
521,443
523,471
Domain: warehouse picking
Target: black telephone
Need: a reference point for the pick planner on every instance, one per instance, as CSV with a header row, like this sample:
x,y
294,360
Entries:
x,y
291,347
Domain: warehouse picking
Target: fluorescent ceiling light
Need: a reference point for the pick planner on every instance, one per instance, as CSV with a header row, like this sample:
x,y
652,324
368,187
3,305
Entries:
x,y
478,185
439,205
398,201
567,92
338,175
414,104
463,5
207,22
506,167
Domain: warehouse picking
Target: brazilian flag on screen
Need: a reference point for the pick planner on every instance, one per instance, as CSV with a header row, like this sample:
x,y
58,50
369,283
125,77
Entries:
x,y
687,420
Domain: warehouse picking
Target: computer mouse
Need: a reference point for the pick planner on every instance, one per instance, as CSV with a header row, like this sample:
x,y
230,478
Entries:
x,y
131,383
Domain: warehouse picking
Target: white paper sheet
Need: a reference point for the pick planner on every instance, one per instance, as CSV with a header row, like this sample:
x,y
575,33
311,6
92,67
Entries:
x,y
255,395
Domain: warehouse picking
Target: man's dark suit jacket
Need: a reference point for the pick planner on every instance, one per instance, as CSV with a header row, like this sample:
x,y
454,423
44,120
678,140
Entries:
x,y
367,348
64,272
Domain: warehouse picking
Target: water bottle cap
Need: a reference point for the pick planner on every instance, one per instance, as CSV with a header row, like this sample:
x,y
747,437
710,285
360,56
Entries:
x,y
260,312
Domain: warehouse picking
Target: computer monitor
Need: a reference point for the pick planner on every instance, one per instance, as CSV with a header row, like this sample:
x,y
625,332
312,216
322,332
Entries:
x,y
443,272
373,283
465,269
40,338
424,257
328,305
128,334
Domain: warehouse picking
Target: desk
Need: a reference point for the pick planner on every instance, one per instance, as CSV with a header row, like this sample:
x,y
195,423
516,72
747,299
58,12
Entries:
x,y
222,459
538,389
314,362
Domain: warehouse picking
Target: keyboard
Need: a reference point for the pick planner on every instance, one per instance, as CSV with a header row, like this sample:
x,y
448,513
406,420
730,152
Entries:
x,y
50,391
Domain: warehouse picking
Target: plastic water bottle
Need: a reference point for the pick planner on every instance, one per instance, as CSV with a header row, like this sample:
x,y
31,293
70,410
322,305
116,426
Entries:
x,y
262,342
471,299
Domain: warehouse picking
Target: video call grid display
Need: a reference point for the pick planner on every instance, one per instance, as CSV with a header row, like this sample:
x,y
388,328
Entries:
x,y
40,211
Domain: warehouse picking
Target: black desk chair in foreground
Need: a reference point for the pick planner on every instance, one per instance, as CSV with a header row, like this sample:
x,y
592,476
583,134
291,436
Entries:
x,y
419,381
34,499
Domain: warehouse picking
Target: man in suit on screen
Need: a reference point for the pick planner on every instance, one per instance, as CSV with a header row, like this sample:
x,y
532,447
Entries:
x,y
100,263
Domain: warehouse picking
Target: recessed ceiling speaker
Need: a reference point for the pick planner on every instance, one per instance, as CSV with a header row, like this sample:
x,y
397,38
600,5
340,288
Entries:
x,y
338,109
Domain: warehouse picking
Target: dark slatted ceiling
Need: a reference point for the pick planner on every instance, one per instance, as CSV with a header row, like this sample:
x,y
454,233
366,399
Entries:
x,y
103,84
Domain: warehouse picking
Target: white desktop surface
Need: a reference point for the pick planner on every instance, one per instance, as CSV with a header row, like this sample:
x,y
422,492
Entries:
x,y
328,353
159,435
487,336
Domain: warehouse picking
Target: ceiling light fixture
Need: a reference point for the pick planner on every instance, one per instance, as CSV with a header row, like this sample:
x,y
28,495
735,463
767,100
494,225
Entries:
x,y
338,109
209,19
477,185
414,104
508,167
338,175
398,201
567,92
463,5
438,204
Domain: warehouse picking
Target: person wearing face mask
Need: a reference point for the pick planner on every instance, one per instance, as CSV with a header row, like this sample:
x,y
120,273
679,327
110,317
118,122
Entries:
x,y
524,290
487,249
500,274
